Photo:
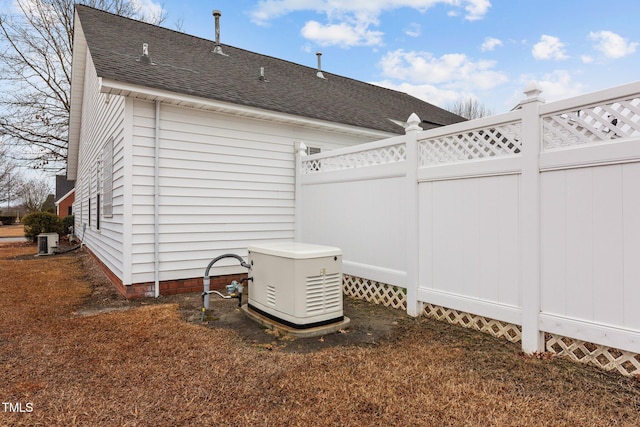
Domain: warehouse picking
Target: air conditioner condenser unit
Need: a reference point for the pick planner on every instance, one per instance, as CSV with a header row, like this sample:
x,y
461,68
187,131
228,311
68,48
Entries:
x,y
298,285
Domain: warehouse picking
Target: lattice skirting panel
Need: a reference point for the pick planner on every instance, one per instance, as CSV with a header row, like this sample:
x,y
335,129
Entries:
x,y
375,292
493,327
609,359
606,358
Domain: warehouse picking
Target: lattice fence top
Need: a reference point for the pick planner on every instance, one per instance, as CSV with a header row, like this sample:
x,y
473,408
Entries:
x,y
587,125
498,141
377,156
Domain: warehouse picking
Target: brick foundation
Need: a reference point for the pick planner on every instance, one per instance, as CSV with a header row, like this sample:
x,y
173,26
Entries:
x,y
167,287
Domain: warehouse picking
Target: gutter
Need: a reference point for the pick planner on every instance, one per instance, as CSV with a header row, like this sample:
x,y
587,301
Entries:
x,y
140,92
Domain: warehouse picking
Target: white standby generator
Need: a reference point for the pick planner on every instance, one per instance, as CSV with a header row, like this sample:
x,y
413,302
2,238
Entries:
x,y
47,243
296,284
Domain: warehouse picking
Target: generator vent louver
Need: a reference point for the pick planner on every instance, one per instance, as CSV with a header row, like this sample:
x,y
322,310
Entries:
x,y
324,293
271,295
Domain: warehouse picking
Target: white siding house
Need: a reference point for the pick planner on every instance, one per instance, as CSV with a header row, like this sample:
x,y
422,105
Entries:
x,y
168,178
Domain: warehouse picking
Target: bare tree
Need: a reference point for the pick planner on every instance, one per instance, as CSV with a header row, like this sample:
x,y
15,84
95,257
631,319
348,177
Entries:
x,y
10,177
34,194
469,108
36,42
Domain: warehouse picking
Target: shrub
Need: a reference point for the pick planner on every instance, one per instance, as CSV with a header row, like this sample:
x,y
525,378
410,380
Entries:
x,y
7,220
41,222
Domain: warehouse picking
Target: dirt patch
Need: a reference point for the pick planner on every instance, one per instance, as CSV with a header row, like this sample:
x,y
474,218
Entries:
x,y
370,324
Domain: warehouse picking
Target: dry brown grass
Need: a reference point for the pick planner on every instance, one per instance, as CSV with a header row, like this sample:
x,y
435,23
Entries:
x,y
15,230
147,366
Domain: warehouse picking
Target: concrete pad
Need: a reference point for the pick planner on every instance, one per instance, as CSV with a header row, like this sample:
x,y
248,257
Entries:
x,y
298,333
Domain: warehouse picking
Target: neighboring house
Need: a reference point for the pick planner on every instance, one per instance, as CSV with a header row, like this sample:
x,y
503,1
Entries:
x,y
185,151
65,196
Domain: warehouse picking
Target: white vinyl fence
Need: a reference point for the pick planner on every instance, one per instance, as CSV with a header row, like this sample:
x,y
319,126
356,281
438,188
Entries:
x,y
530,217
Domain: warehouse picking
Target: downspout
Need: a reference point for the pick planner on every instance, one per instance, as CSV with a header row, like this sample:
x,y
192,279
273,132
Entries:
x,y
156,194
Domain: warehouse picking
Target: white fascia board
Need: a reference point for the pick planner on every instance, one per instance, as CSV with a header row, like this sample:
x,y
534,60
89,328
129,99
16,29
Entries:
x,y
65,196
140,92
78,65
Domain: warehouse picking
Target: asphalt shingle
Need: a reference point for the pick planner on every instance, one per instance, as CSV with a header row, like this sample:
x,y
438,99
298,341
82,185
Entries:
x,y
185,64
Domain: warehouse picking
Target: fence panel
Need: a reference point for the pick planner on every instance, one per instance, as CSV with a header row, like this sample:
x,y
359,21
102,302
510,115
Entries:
x,y
468,205
531,217
590,218
468,249
354,199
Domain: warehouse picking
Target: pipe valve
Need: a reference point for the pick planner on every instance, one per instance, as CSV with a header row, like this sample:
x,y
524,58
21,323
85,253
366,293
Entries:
x,y
234,288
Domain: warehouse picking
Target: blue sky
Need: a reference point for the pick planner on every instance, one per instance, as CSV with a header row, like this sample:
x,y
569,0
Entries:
x,y
437,50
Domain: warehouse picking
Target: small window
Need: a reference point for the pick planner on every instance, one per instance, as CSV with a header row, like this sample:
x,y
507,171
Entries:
x,y
89,204
98,192
316,164
98,211
107,179
313,150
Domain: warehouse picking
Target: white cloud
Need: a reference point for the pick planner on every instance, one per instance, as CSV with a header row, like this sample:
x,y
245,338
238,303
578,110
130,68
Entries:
x,y
555,85
438,80
148,10
490,43
549,47
586,59
476,9
357,16
429,93
413,30
269,9
612,45
560,85
454,68
340,34
45,11
145,10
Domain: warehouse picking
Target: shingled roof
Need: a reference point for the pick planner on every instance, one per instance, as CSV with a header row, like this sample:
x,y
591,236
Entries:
x,y
185,64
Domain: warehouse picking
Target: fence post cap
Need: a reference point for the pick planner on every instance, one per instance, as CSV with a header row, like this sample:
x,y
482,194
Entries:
x,y
413,123
533,89
301,148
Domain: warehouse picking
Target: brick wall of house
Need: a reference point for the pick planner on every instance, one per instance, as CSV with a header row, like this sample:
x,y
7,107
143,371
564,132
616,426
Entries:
x,y
168,287
65,207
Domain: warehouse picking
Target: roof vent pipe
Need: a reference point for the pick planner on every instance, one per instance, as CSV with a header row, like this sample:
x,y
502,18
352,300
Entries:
x,y
145,55
218,49
262,76
319,73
